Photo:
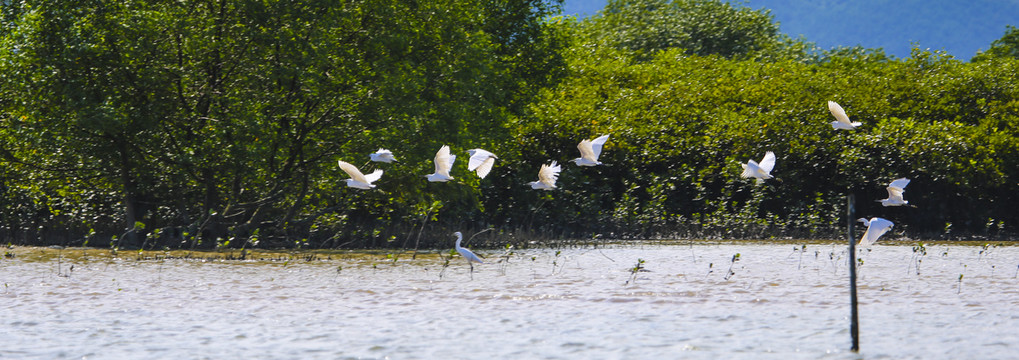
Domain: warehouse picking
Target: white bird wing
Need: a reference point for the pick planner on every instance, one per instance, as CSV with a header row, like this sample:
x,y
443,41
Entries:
x,y
586,150
748,168
352,171
374,176
896,188
469,255
768,162
838,112
478,157
878,227
443,161
899,183
485,167
597,144
895,193
548,174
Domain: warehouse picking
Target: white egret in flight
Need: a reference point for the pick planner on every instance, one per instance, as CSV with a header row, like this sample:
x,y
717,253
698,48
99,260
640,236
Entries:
x,y
875,228
895,190
590,150
760,171
443,162
481,161
357,179
841,119
383,155
466,253
547,176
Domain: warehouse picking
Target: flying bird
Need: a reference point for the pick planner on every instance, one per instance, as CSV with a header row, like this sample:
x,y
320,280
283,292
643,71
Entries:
x,y
443,162
547,176
875,228
590,150
383,155
481,161
841,119
466,253
760,171
357,179
895,190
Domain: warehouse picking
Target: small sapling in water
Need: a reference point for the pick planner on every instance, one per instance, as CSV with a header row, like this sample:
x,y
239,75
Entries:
x,y
730,273
987,248
505,258
445,262
919,251
639,267
555,262
803,249
834,261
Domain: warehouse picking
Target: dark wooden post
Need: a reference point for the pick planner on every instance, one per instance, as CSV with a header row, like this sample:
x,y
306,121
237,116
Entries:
x,y
854,320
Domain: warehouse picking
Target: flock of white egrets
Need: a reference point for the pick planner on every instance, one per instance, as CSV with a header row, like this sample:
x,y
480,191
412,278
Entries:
x,y
482,161
875,226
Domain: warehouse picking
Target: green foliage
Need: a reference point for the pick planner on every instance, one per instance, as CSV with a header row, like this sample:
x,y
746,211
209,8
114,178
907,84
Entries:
x,y
215,120
219,124
1005,47
700,27
681,125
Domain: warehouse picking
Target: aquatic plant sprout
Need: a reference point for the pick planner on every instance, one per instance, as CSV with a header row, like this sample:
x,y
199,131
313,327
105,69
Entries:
x,y
357,179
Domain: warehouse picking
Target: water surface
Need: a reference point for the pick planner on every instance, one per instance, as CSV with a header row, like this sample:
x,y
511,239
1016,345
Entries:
x,y
778,300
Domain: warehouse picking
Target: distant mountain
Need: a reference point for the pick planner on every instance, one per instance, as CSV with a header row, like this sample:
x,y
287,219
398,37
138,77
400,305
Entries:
x,y
958,27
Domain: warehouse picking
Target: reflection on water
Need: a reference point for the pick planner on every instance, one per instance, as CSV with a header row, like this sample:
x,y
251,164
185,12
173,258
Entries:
x,y
781,300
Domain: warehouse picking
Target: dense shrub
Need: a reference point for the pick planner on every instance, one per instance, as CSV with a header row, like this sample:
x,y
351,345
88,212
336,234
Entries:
x,y
164,124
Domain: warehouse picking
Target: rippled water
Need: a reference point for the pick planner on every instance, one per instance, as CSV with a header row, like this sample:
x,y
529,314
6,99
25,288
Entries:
x,y
776,302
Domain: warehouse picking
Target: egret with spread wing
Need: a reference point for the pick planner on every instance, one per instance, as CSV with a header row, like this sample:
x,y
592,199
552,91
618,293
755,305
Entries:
x,y
760,171
382,155
443,162
895,190
481,161
547,176
841,119
590,150
357,179
875,228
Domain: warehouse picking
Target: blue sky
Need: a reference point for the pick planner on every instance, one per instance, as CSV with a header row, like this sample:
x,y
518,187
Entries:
x,y
879,23
583,7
